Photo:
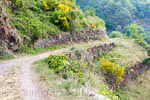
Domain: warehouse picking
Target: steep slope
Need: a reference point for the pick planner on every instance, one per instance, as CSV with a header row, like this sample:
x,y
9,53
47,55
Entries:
x,y
44,18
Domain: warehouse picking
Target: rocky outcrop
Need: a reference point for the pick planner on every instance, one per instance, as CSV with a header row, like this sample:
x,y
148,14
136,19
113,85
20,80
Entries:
x,y
9,38
80,37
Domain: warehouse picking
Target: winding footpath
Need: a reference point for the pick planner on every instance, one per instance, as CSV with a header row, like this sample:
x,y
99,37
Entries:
x,y
29,88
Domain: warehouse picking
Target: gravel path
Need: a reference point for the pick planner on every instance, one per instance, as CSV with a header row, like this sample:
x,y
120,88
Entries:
x,y
29,87
30,90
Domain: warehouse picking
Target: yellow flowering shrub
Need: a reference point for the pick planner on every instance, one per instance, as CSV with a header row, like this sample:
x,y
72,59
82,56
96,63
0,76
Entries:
x,y
63,21
108,67
64,7
93,26
45,5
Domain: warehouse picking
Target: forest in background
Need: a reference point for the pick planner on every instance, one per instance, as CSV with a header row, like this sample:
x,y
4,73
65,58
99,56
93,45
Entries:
x,y
119,14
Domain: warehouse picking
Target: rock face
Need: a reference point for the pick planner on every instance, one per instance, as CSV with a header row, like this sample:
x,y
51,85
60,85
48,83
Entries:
x,y
9,38
80,37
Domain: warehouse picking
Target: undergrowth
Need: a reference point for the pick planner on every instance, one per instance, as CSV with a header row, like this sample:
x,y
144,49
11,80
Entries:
x,y
75,76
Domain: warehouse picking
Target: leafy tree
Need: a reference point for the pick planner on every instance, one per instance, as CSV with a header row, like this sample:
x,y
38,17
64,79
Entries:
x,y
115,34
137,32
118,13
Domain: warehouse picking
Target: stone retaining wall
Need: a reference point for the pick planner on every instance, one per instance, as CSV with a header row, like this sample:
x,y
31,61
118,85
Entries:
x,y
66,38
92,54
131,73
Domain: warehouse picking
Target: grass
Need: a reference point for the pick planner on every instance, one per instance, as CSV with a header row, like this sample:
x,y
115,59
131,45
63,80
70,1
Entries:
x,y
54,83
28,50
126,52
138,89
69,89
6,54
24,50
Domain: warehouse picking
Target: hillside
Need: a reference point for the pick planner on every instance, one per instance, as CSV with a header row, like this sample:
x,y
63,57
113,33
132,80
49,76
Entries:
x,y
93,77
119,13
56,50
41,19
26,22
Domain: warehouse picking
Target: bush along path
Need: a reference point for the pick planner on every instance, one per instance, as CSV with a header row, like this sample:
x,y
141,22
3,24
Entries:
x,y
130,74
30,89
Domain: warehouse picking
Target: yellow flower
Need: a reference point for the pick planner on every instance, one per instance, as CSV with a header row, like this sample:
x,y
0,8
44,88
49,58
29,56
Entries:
x,y
93,26
56,21
45,5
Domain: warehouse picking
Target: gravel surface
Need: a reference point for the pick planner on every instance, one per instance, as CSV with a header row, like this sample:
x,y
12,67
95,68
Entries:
x,y
21,77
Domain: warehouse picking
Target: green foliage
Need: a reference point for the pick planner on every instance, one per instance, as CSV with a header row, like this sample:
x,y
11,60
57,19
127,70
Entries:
x,y
6,54
29,50
137,32
112,69
146,61
115,34
90,12
57,62
60,64
0,5
118,13
31,20
97,81
122,94
69,85
43,18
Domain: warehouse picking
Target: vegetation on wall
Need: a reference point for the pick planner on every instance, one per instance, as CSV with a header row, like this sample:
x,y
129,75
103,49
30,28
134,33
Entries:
x,y
112,70
36,19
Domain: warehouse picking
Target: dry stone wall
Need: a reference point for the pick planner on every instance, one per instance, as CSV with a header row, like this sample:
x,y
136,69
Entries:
x,y
66,38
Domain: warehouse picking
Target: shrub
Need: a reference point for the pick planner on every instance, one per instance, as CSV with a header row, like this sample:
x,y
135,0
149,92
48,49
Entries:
x,y
63,21
60,64
110,68
93,26
45,5
115,34
57,62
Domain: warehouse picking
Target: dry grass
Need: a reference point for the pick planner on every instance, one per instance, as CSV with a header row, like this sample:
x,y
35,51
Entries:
x,y
138,89
126,52
9,85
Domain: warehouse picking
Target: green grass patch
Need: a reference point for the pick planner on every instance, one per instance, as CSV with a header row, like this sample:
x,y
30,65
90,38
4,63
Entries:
x,y
6,54
70,88
29,50
59,88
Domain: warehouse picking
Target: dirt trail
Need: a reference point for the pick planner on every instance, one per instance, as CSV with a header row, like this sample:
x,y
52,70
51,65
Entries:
x,y
30,90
